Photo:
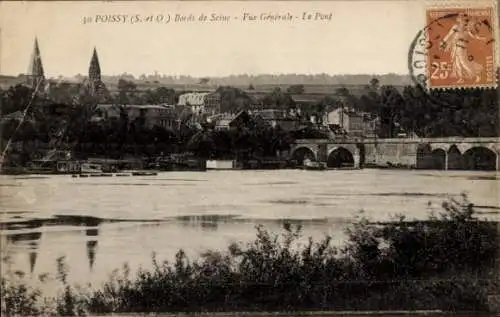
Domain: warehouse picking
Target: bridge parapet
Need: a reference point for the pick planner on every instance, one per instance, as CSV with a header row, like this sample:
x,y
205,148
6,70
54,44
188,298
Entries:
x,y
450,140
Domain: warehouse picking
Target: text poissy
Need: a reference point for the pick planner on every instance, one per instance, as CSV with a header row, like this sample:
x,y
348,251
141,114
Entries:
x,y
111,18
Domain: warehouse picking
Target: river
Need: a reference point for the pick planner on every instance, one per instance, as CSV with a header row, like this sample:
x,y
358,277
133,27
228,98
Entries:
x,y
45,217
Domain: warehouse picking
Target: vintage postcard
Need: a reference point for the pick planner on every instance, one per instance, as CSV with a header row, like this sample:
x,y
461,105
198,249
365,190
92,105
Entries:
x,y
244,158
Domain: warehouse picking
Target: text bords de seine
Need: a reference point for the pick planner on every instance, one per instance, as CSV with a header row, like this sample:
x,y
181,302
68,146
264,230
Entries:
x,y
212,17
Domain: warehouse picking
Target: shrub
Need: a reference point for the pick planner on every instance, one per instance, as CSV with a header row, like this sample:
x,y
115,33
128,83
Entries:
x,y
18,298
444,263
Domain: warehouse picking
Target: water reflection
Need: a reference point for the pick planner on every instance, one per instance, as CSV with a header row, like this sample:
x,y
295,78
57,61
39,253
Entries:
x,y
20,225
53,216
25,235
395,194
70,220
205,222
92,240
19,238
212,222
91,252
33,255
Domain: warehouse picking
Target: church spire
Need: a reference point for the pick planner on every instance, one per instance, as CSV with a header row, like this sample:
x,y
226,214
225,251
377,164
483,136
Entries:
x,y
95,83
35,71
94,68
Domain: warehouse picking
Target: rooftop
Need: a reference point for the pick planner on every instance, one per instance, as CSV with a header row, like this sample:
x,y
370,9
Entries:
x,y
270,114
193,98
165,106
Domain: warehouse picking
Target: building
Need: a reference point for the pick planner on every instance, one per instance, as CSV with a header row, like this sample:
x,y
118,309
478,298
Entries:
x,y
229,121
155,115
95,85
35,78
165,116
16,116
221,122
62,90
350,122
306,101
71,92
204,103
371,125
286,120
345,121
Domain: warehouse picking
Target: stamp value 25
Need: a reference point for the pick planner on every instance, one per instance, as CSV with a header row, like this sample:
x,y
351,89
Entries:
x,y
462,50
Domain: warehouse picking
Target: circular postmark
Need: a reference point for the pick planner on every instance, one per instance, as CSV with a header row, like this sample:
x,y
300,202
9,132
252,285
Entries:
x,y
455,50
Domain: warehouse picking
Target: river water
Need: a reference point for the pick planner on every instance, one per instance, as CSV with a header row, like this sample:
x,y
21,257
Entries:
x,y
100,223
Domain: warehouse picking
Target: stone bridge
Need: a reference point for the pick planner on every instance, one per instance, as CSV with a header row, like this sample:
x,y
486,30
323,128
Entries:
x,y
426,153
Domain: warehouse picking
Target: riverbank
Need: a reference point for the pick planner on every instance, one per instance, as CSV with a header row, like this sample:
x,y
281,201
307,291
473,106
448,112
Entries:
x,y
446,263
24,171
415,313
192,164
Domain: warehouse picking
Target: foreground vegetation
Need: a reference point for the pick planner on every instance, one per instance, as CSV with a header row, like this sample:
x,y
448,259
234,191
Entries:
x,y
447,263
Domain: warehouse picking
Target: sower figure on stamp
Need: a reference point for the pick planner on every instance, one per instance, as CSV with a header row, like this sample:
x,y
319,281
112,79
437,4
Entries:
x,y
457,40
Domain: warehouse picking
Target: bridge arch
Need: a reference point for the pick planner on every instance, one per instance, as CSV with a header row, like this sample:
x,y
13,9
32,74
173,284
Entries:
x,y
455,158
439,146
480,158
439,159
340,157
432,157
302,153
424,156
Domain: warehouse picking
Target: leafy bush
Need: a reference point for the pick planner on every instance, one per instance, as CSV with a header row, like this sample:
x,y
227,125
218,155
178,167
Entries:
x,y
444,263
18,298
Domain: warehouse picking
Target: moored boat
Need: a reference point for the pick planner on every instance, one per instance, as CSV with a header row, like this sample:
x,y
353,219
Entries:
x,y
220,164
144,173
313,166
91,168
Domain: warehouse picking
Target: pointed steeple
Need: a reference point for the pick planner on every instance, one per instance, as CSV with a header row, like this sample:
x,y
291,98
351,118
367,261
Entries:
x,y
94,68
35,71
95,84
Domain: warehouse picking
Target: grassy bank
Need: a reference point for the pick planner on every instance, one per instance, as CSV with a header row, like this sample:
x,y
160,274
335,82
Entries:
x,y
445,263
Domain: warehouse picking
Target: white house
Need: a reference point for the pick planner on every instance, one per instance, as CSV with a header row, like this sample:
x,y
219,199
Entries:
x,y
201,102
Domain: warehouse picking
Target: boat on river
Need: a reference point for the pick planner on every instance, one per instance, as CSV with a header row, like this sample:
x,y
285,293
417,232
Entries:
x,y
91,168
220,164
144,173
313,166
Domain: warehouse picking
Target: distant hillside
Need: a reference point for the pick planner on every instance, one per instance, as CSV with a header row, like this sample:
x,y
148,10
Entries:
x,y
8,81
314,84
265,80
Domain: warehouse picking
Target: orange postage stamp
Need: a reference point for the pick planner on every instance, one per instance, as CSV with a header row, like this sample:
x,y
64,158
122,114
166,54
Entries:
x,y
461,47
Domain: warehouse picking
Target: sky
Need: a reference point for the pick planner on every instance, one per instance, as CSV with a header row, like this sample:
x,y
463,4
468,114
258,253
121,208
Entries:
x,y
362,37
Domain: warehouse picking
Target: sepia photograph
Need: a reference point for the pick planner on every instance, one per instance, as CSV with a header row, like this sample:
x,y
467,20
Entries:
x,y
250,158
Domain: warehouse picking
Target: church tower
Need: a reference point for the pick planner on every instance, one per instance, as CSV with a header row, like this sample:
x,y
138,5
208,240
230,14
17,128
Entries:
x,y
95,84
35,74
